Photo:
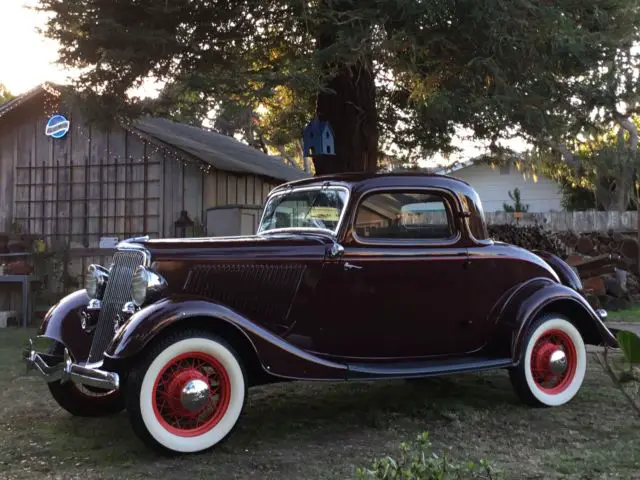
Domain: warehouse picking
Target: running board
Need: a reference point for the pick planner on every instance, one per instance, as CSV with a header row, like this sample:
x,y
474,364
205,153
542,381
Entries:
x,y
426,368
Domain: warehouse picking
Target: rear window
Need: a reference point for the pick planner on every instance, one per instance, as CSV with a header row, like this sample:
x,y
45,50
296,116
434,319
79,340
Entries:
x,y
405,216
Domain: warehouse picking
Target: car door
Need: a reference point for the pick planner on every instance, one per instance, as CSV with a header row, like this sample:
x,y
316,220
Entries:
x,y
397,291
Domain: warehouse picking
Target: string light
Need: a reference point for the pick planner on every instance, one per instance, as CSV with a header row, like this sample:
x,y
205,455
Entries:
x,y
51,102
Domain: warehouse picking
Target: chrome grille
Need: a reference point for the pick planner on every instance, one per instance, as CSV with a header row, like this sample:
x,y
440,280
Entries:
x,y
116,294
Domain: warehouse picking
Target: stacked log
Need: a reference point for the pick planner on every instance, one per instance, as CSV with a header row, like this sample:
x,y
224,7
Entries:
x,y
530,237
606,262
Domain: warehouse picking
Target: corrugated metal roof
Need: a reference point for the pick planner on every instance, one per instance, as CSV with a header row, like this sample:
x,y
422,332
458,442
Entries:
x,y
219,151
10,105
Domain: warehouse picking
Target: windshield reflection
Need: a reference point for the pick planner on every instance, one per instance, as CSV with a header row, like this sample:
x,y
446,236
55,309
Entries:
x,y
319,208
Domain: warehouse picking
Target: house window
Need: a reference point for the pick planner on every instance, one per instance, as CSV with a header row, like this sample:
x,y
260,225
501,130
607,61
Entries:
x,y
404,216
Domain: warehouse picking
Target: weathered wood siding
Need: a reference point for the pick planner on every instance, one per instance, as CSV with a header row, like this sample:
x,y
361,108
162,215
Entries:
x,y
98,182
72,191
226,188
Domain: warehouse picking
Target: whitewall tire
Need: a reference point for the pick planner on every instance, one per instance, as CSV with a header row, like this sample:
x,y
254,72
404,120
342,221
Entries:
x,y
553,363
188,393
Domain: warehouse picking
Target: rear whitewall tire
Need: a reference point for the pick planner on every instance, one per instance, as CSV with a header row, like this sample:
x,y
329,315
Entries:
x,y
522,376
140,395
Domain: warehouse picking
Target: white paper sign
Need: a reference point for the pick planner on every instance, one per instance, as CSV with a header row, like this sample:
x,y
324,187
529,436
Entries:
x,y
108,242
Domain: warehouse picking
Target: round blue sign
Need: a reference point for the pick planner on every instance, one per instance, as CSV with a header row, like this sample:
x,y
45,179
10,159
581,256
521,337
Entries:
x,y
57,126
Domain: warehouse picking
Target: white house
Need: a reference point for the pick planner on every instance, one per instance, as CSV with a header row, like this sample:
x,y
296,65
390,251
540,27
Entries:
x,y
493,186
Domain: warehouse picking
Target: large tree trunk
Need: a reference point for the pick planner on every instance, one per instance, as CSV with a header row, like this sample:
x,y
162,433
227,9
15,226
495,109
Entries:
x,y
350,108
630,127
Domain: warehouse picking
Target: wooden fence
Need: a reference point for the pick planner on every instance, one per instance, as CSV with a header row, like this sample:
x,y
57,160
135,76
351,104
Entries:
x,y
589,221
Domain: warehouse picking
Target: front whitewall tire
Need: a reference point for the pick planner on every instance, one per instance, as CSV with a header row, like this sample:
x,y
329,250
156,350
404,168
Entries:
x,y
144,397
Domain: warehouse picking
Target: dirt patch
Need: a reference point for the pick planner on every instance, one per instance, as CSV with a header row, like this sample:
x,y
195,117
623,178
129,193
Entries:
x,y
325,430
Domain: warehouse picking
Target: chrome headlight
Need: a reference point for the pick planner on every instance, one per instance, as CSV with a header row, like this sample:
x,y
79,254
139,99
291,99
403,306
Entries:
x,y
146,285
96,281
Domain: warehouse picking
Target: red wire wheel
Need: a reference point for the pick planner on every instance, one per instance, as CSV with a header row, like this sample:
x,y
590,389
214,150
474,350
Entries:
x,y
548,381
173,377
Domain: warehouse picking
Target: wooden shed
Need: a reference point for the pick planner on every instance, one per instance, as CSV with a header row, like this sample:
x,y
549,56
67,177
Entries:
x,y
125,181
94,183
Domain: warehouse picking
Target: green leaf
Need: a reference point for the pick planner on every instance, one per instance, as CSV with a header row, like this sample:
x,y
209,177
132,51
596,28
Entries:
x,y
630,346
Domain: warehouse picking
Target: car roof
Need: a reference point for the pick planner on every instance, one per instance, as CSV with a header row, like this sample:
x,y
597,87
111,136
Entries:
x,y
365,181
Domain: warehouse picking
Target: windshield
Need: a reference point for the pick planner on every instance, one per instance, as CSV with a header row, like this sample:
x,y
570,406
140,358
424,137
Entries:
x,y
316,208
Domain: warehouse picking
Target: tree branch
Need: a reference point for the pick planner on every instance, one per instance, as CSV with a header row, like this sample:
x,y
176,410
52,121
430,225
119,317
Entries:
x,y
567,155
284,156
603,360
630,127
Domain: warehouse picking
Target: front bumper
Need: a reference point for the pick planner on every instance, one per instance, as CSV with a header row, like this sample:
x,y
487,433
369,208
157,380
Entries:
x,y
68,371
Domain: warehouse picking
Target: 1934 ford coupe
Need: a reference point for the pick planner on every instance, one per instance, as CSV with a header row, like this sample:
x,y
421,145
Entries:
x,y
349,277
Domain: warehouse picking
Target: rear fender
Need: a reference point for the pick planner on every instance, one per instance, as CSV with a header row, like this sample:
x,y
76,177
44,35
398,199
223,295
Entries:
x,y
564,271
62,323
542,295
276,356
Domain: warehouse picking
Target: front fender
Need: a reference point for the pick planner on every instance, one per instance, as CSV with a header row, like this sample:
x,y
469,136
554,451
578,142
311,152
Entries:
x,y
540,295
62,324
277,356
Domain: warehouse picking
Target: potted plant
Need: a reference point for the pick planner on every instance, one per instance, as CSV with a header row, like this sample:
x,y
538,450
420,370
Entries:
x,y
518,208
16,243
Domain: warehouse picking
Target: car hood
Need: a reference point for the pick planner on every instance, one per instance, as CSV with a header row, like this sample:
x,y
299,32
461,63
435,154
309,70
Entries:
x,y
255,246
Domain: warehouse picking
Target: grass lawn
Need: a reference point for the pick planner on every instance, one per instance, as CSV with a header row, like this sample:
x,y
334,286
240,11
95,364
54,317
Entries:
x,y
629,315
325,430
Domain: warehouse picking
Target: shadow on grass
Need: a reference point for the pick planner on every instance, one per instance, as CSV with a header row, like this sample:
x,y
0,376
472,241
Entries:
x,y
311,408
281,413
321,430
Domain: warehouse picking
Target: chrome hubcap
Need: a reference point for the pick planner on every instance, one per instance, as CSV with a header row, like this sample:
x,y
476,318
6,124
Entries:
x,y
194,395
558,362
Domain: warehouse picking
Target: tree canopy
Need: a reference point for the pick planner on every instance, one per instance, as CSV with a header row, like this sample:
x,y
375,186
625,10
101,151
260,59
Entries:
x,y
5,94
402,73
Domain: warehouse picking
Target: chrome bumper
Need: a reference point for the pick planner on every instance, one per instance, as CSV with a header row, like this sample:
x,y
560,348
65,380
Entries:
x,y
68,371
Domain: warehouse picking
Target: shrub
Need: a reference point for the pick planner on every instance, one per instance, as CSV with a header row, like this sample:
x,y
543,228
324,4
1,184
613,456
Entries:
x,y
417,461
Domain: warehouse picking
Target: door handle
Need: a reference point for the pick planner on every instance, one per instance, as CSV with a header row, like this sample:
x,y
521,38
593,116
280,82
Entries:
x,y
350,266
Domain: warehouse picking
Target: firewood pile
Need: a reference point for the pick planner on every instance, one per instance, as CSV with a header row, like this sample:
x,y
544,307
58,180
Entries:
x,y
530,237
606,262
614,284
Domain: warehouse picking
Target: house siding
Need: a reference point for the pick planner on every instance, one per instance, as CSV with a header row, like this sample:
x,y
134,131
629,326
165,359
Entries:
x,y
493,186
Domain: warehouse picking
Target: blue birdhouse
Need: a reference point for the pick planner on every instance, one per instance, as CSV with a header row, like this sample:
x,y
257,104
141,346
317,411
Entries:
x,y
317,139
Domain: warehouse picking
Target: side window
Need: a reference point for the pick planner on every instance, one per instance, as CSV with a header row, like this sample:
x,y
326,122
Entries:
x,y
404,216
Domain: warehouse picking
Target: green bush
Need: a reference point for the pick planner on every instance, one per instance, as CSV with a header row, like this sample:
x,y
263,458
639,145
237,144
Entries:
x,y
417,461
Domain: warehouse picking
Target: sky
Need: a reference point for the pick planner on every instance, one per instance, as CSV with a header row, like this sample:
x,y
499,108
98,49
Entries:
x,y
27,58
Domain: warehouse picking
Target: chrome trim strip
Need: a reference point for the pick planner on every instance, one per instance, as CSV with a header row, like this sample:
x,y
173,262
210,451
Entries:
x,y
285,191
66,371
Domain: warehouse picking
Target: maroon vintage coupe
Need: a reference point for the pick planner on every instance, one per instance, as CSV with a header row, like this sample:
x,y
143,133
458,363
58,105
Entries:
x,y
349,277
